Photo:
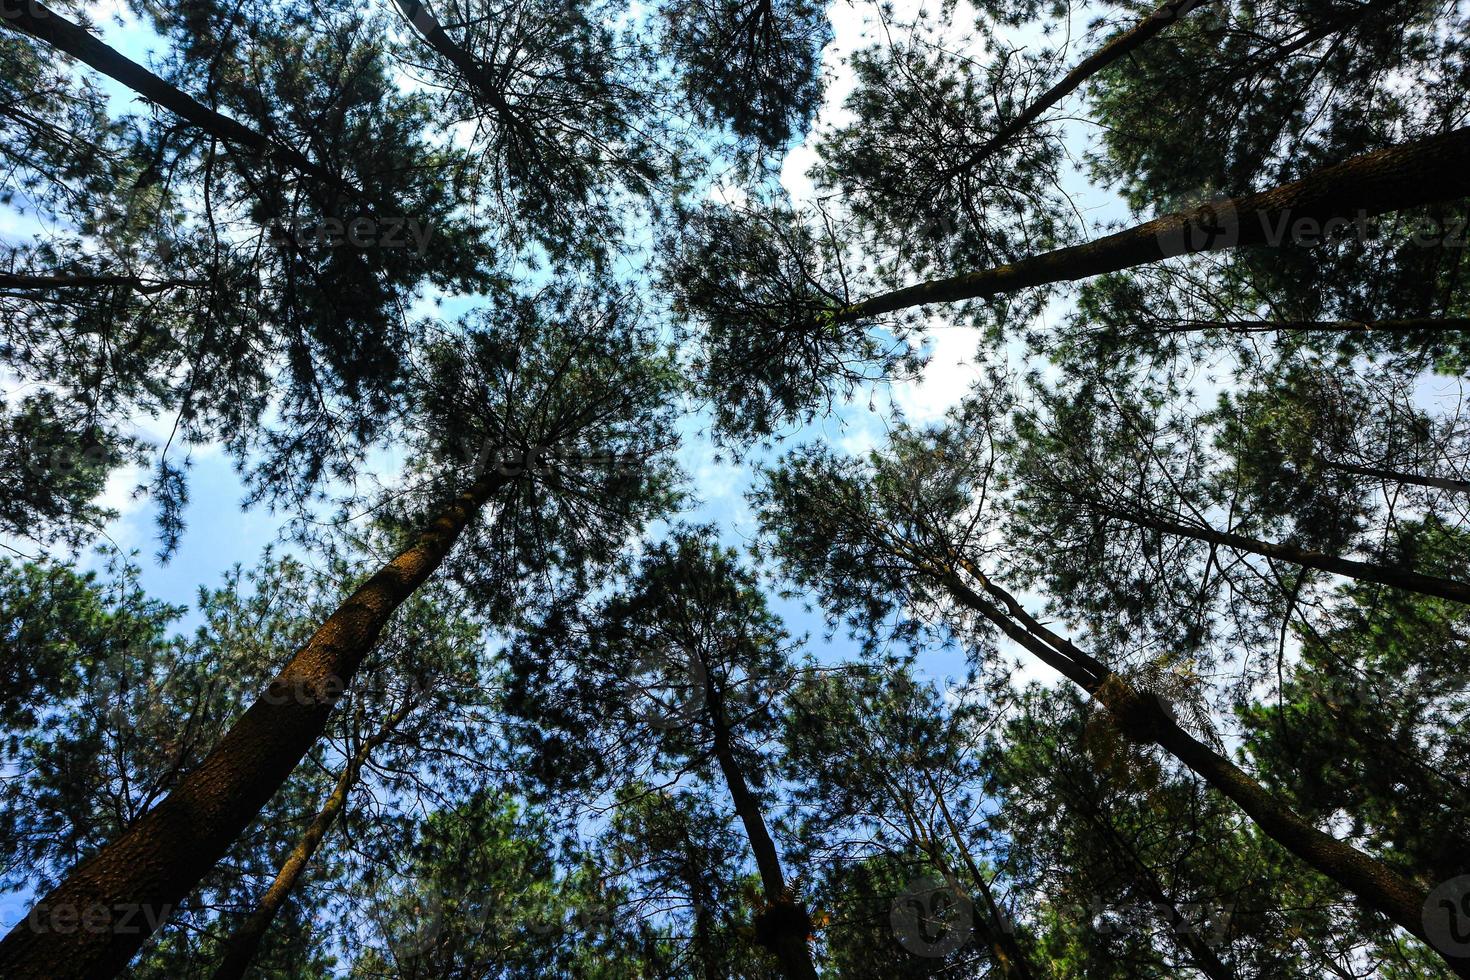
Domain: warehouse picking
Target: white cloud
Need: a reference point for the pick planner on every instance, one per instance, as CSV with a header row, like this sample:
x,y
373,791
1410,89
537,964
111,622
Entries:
x,y
852,24
952,369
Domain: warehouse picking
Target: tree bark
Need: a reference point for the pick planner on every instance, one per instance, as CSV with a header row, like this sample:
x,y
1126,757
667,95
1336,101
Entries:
x,y
1143,718
1409,581
1005,948
787,921
44,24
1398,476
159,860
243,944
1403,176
1435,324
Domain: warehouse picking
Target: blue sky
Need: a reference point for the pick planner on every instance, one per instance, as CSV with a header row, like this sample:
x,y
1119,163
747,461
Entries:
x,y
221,533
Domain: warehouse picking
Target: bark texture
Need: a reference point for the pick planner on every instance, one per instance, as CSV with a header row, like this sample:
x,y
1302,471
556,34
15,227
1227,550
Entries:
x,y
1403,176
1145,718
243,944
155,863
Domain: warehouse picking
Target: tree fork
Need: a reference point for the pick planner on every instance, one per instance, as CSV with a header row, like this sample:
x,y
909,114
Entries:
x,y
472,69
159,860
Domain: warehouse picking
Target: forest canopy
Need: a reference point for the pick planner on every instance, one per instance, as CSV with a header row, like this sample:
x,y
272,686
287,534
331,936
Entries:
x,y
734,489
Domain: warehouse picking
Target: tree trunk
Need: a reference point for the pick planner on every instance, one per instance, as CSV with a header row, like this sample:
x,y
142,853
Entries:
x,y
42,23
159,860
1397,476
699,895
1143,718
1205,958
1120,47
1403,176
1007,951
1410,581
786,922
30,282
1116,49
1425,324
243,944
473,70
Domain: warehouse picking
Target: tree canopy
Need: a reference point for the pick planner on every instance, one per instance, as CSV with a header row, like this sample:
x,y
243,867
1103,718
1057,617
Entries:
x,y
734,489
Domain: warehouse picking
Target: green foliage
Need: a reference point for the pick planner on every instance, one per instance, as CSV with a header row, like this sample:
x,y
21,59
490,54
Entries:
x,y
478,895
567,393
910,171
765,290
1382,682
678,856
561,105
598,752
751,65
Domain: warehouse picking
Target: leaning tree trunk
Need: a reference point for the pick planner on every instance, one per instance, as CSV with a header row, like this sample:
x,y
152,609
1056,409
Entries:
x,y
1398,476
26,282
1420,324
44,24
1005,947
1143,718
1405,579
1391,179
785,923
475,73
1121,47
1112,52
160,859
244,942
